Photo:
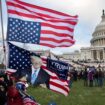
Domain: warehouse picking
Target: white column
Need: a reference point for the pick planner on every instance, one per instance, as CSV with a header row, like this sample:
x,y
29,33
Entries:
x,y
92,55
103,54
97,54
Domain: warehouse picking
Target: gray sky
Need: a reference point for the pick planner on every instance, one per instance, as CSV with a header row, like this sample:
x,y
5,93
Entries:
x,y
89,12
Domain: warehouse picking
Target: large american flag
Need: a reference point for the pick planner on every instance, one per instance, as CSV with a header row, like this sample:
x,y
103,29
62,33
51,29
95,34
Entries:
x,y
29,23
19,59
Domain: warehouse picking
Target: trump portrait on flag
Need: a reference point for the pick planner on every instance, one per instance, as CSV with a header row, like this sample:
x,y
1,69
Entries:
x,y
37,75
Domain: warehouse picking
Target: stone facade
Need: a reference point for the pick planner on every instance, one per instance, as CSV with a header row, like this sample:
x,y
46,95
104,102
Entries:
x,y
85,53
72,56
98,41
97,49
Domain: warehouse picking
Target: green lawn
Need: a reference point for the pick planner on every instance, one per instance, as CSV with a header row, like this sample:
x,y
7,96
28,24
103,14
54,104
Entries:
x,y
79,95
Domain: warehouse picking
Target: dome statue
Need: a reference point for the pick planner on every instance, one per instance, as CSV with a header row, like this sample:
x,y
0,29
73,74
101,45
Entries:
x,y
99,33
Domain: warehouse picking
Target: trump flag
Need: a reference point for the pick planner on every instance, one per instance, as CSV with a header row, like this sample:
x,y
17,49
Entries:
x,y
28,23
19,59
57,82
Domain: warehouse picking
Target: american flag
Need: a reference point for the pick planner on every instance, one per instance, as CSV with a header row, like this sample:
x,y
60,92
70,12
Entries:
x,y
28,101
19,59
28,23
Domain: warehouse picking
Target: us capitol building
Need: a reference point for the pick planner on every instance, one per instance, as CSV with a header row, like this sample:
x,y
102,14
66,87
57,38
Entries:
x,y
97,49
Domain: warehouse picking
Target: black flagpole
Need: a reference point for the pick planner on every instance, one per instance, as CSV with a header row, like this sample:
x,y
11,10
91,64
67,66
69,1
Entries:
x,y
2,32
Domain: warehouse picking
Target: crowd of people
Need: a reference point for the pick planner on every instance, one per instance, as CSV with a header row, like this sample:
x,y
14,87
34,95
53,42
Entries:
x,y
94,76
13,87
91,75
13,90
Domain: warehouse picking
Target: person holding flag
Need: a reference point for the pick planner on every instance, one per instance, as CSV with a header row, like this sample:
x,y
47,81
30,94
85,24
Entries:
x,y
21,86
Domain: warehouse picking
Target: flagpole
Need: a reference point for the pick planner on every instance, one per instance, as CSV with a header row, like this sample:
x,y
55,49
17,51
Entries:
x,y
49,54
2,32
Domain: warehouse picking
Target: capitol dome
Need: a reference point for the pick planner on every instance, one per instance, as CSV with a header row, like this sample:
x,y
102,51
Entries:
x,y
99,33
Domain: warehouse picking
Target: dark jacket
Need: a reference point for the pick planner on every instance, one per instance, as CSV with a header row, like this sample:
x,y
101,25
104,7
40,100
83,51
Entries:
x,y
43,77
3,97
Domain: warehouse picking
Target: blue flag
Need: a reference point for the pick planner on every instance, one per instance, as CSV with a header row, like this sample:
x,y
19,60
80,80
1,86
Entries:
x,y
59,67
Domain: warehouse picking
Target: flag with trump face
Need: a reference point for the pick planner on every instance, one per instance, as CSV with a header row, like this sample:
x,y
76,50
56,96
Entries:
x,y
19,59
28,23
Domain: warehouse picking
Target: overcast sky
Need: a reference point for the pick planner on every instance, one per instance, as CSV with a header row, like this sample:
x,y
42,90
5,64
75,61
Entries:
x,y
89,12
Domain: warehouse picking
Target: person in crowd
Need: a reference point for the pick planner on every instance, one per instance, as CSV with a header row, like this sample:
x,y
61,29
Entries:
x,y
3,89
70,78
21,86
6,80
96,78
100,78
80,74
90,77
10,75
74,74
85,77
13,95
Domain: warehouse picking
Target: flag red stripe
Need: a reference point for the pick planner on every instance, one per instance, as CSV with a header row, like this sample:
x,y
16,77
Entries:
x,y
54,77
21,7
17,5
65,21
59,86
45,9
53,46
23,14
39,17
55,33
58,27
45,68
55,40
43,58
